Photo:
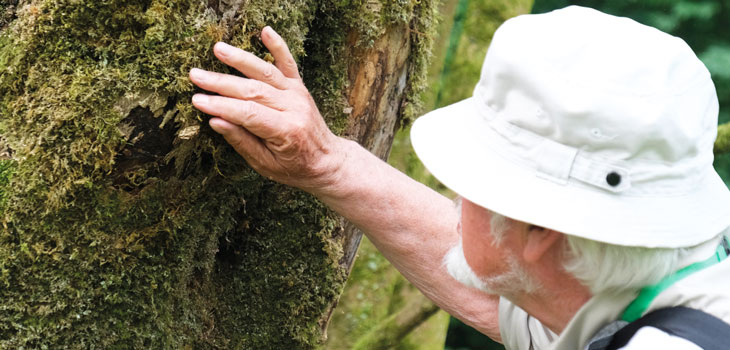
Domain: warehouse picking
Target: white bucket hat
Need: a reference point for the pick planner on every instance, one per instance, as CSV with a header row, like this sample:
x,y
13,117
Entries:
x,y
589,124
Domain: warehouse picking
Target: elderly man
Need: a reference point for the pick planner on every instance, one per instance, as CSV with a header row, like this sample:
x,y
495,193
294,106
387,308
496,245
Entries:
x,y
584,160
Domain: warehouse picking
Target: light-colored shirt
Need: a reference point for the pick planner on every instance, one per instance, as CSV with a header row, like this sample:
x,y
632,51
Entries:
x,y
707,290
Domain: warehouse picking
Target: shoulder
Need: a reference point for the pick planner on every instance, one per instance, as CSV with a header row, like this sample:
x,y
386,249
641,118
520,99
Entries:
x,y
654,338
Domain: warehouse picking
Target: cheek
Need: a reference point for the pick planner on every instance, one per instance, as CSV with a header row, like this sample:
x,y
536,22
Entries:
x,y
481,255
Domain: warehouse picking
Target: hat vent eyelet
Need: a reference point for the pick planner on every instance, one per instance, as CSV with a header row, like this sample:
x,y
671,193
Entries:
x,y
540,113
613,179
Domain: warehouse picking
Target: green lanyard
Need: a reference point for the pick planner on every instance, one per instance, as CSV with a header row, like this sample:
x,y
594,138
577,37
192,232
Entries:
x,y
637,307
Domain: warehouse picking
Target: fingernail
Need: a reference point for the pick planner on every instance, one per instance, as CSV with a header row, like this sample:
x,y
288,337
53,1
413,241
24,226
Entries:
x,y
224,49
198,74
200,99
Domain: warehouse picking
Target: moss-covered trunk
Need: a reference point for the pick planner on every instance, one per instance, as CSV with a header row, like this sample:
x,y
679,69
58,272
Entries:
x,y
126,222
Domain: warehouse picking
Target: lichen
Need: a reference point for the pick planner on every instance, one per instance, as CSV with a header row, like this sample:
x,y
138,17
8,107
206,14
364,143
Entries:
x,y
121,225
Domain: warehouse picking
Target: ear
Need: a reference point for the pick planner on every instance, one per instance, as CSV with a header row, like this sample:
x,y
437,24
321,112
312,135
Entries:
x,y
538,242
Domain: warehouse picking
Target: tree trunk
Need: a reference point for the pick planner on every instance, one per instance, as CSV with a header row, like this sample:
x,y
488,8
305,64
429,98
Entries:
x,y
126,222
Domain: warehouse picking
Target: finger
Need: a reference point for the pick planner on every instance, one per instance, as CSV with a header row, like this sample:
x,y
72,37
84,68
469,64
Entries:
x,y
250,65
237,87
260,120
246,144
283,58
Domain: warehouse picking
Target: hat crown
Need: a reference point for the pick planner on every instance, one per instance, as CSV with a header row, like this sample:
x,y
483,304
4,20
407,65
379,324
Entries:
x,y
588,124
602,84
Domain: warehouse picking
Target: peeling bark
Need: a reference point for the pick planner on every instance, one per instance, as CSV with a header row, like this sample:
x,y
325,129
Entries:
x,y
377,82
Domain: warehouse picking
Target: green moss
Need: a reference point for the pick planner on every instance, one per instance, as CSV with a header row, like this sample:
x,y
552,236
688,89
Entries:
x,y
117,232
423,31
6,171
7,12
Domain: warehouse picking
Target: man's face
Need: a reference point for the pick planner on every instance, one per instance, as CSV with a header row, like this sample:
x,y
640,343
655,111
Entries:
x,y
480,262
480,249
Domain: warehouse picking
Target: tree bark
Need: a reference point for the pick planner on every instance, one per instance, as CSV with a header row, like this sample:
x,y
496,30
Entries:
x,y
126,222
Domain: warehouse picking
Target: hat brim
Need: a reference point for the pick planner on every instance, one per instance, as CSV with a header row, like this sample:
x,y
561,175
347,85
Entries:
x,y
452,144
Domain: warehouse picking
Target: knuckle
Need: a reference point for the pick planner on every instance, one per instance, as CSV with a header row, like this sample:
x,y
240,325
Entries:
x,y
268,72
290,63
256,92
252,91
247,110
277,45
233,58
216,80
238,61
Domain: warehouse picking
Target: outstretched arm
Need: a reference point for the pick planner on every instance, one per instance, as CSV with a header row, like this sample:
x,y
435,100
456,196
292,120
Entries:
x,y
272,121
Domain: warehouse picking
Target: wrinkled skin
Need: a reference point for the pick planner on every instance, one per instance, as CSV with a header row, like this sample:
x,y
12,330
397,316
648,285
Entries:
x,y
270,119
273,122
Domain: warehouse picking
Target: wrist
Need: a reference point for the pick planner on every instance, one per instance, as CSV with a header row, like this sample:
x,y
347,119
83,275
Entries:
x,y
332,178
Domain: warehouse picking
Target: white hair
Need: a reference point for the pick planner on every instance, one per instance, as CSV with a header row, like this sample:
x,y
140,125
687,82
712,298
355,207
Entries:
x,y
499,225
604,267
601,267
513,281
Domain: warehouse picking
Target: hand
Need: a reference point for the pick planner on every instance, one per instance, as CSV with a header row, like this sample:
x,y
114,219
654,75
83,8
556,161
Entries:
x,y
270,118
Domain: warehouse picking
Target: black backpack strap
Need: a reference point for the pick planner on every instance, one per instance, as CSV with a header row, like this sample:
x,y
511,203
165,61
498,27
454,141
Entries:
x,y
703,329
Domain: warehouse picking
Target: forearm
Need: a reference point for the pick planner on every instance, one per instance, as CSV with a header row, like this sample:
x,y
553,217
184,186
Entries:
x,y
412,225
272,121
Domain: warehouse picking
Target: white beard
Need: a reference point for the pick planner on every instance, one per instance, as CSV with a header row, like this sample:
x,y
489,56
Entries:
x,y
513,281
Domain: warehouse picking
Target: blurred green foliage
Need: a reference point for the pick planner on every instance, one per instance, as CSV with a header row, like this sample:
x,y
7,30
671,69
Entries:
x,y
703,24
453,75
371,310
462,67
